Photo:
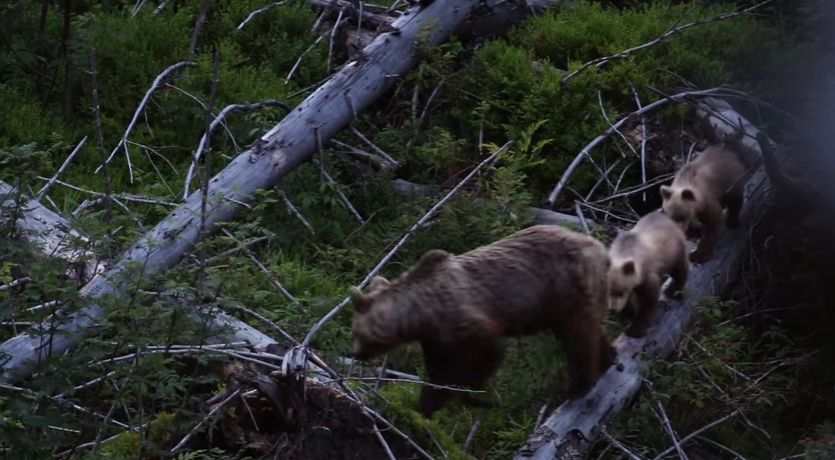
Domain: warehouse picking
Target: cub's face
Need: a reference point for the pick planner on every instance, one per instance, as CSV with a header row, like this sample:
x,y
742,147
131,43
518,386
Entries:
x,y
369,340
623,277
681,204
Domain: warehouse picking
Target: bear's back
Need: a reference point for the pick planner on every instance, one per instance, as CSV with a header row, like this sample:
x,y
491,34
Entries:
x,y
527,278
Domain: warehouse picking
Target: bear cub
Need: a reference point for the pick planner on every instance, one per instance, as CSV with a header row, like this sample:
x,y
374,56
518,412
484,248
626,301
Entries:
x,y
654,248
699,192
460,307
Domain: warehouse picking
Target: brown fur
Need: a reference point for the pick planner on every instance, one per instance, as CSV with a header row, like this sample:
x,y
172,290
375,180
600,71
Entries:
x,y
459,307
699,192
641,258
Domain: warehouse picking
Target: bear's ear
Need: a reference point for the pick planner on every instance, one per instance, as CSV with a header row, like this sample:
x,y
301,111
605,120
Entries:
x,y
434,256
362,303
378,282
628,268
666,192
688,195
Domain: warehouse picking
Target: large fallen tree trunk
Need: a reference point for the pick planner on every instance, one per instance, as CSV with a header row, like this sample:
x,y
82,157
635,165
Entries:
x,y
324,113
575,425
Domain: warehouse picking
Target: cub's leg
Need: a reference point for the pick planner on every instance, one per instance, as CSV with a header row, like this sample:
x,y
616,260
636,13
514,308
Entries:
x,y
711,219
733,203
646,295
433,399
679,274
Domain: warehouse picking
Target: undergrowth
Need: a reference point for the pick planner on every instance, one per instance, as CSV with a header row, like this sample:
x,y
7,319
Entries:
x,y
509,88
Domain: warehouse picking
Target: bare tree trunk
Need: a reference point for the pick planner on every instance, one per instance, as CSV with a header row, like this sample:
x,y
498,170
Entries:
x,y
576,424
355,87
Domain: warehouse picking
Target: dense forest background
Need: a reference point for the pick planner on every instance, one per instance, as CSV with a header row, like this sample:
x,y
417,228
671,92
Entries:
x,y
763,352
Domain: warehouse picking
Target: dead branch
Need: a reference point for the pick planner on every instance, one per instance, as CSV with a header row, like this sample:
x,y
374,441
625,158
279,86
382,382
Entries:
x,y
574,426
697,432
202,20
273,279
60,171
158,81
220,119
257,12
673,30
586,151
295,211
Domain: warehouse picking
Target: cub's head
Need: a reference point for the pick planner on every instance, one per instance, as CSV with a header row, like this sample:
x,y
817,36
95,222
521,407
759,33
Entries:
x,y
680,203
370,335
624,275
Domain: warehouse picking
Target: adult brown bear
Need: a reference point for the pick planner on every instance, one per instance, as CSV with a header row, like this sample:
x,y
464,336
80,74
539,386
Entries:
x,y
460,307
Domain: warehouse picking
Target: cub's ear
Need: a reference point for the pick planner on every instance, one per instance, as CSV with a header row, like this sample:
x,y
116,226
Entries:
x,y
628,268
362,302
688,195
666,192
378,282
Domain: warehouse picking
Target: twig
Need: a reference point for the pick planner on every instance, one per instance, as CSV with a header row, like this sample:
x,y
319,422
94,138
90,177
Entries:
x,y
205,419
154,86
635,189
471,435
581,216
599,62
161,7
723,447
609,122
619,445
429,214
585,152
266,321
123,196
668,427
202,19
60,171
643,142
332,183
263,10
334,30
696,433
276,283
299,60
295,211
220,119
417,382
236,249
373,146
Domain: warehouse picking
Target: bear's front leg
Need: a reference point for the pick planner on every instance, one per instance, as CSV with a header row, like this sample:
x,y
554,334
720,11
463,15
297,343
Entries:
x,y
711,224
647,298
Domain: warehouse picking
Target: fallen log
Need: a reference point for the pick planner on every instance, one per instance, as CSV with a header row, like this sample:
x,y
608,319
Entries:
x,y
324,113
575,425
52,236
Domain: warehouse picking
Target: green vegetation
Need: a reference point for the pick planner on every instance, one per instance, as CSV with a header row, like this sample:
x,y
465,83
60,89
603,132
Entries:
x,y
509,88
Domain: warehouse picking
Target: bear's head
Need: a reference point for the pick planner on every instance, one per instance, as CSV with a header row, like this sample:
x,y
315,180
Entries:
x,y
624,275
681,204
369,340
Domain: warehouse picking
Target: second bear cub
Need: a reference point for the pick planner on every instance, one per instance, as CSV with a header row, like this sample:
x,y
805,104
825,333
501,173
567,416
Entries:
x,y
701,188
641,258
